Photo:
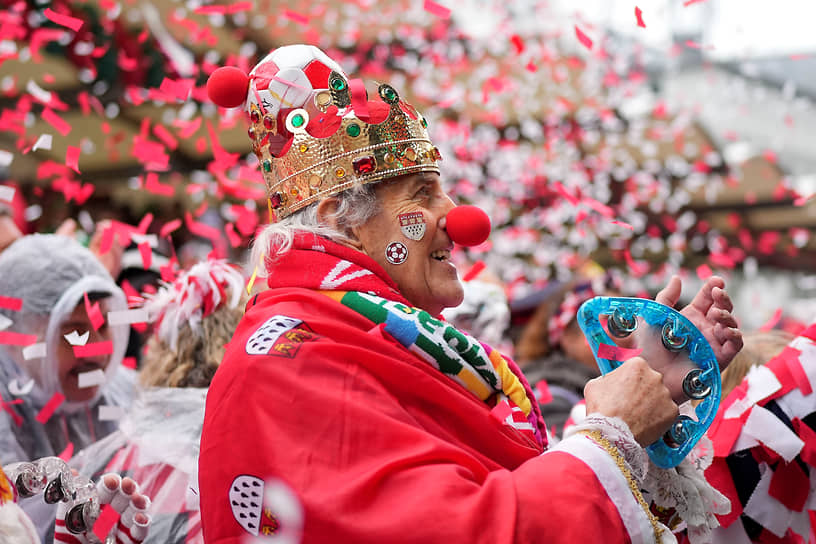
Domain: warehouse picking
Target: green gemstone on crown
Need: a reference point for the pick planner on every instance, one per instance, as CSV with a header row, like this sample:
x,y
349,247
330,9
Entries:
x,y
353,130
298,120
338,84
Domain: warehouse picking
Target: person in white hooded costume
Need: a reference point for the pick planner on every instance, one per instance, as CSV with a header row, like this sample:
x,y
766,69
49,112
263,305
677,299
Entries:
x,y
51,275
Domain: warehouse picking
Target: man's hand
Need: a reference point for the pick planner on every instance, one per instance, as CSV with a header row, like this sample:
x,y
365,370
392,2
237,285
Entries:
x,y
635,393
709,311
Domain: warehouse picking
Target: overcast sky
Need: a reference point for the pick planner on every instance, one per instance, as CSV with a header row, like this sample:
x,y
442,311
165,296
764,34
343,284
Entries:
x,y
728,29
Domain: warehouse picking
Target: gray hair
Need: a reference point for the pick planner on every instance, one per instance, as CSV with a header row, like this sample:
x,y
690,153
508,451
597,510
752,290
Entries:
x,y
355,206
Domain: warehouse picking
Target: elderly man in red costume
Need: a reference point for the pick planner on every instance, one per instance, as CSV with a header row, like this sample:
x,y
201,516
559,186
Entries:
x,y
346,409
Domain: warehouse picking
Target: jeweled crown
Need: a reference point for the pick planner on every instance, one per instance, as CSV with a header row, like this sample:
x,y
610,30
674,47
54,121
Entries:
x,y
316,133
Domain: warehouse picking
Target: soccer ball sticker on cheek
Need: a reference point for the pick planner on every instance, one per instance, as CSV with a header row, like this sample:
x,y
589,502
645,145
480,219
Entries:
x,y
412,225
396,253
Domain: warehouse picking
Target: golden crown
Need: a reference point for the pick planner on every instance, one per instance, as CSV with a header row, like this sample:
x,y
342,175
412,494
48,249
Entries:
x,y
316,133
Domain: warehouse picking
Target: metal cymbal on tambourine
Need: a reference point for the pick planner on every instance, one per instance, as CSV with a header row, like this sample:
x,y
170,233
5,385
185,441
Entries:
x,y
52,477
603,318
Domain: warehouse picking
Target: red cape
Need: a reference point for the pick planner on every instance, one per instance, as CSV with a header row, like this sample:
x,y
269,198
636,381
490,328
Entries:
x,y
376,444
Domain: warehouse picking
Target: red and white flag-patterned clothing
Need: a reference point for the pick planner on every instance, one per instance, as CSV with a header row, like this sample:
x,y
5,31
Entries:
x,y
764,439
371,443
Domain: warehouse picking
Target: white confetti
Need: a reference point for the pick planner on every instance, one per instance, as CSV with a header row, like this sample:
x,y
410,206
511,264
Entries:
x,y
38,92
126,317
19,390
5,322
5,158
6,193
151,239
76,339
110,413
43,142
34,351
91,379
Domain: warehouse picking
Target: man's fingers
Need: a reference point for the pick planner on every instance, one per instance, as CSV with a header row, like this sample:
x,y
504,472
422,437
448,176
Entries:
x,y
724,333
670,294
718,316
729,351
704,298
721,299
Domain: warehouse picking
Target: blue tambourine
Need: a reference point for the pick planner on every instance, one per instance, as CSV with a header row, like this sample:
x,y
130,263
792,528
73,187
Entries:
x,y
678,335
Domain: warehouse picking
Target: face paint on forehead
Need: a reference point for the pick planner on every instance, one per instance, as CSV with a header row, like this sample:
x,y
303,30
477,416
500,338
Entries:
x,y
412,225
396,253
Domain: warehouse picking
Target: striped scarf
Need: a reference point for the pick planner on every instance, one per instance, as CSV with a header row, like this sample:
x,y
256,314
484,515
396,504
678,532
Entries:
x,y
475,366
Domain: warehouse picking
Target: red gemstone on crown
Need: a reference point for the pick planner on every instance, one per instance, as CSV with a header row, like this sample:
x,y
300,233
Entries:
x,y
275,200
364,165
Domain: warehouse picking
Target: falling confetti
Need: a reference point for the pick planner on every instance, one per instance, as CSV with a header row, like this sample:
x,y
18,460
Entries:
x,y
639,17
583,38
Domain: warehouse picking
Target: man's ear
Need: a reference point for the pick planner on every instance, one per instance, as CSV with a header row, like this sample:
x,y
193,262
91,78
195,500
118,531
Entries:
x,y
326,215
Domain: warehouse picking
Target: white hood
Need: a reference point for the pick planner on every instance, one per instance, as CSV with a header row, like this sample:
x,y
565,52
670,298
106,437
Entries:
x,y
50,274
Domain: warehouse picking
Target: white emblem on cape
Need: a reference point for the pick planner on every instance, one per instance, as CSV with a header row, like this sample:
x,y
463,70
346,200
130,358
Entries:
x,y
262,340
246,501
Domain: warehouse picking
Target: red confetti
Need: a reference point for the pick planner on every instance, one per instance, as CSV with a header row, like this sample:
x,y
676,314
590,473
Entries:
x,y
72,158
623,224
146,253
129,362
93,349
583,38
517,42
105,522
232,236
9,408
152,185
617,353
205,231
68,452
687,3
437,9
474,271
169,227
771,323
11,303
296,17
165,136
50,407
17,339
639,16
704,271
59,124
63,20
802,200
544,394
94,313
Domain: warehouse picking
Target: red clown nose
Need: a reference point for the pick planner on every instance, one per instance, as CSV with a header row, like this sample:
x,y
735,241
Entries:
x,y
468,225
228,86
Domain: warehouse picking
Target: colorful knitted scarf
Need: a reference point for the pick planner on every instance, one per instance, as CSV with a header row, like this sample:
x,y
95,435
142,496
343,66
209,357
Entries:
x,y
319,264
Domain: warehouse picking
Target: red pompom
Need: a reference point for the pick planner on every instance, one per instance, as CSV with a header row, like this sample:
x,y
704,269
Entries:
x,y
228,86
468,225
